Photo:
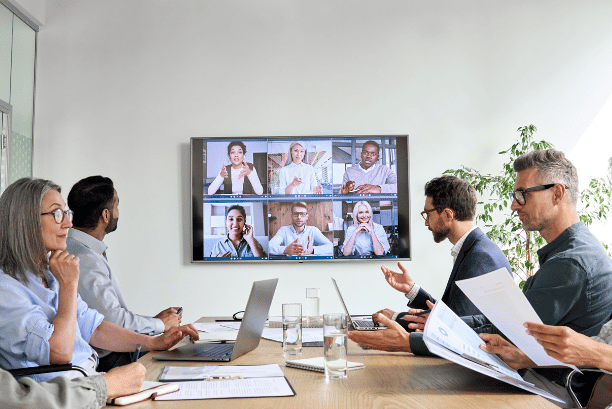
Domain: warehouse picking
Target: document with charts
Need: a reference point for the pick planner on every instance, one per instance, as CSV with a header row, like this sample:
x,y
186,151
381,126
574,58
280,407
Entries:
x,y
447,336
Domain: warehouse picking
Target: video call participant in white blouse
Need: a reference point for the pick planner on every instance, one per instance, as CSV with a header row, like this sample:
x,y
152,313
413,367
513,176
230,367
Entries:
x,y
43,321
300,239
239,177
239,240
365,237
298,177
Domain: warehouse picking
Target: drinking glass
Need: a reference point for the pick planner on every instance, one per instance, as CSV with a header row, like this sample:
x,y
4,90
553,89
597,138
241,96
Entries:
x,y
335,339
312,305
292,329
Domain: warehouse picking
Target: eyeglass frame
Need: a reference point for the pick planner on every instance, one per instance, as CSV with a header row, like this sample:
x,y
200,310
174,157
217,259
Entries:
x,y
425,213
299,214
523,192
64,213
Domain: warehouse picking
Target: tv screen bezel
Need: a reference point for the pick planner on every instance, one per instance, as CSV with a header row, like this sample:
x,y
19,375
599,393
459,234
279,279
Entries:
x,y
197,191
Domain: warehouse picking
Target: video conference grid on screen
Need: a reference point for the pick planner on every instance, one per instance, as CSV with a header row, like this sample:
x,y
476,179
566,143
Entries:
x,y
308,198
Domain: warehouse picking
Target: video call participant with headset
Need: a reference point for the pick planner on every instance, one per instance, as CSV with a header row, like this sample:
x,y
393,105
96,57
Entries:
x,y
297,176
239,240
365,237
239,177
42,319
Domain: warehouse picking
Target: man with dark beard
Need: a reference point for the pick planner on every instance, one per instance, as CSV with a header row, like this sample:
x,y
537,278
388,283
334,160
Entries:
x,y
95,204
450,207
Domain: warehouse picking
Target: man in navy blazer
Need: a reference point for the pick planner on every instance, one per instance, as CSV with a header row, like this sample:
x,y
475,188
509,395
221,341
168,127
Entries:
x,y
449,211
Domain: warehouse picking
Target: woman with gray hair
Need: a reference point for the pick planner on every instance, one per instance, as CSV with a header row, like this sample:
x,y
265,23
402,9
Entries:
x,y
42,319
298,177
365,237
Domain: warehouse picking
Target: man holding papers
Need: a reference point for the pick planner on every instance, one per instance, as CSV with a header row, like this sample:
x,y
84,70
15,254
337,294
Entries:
x,y
573,286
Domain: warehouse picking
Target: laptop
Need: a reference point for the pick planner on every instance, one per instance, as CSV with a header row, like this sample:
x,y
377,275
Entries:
x,y
249,334
357,325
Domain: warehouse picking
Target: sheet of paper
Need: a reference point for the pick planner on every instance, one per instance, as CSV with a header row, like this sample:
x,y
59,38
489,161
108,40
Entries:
x,y
308,334
176,373
216,326
497,296
447,336
239,388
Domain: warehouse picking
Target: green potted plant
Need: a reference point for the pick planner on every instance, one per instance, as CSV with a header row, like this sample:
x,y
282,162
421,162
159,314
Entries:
x,y
503,225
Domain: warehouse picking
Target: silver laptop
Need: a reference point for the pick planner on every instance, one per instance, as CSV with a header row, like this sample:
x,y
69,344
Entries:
x,y
358,325
249,334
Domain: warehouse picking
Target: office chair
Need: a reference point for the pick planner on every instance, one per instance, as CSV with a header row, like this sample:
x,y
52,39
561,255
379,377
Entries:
x,y
601,396
46,369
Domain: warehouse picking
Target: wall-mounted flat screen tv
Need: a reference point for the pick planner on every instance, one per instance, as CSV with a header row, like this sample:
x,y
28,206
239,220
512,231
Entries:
x,y
300,198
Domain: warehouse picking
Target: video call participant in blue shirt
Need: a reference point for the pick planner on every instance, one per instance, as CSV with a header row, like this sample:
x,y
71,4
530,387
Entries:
x,y
42,319
239,240
365,237
300,239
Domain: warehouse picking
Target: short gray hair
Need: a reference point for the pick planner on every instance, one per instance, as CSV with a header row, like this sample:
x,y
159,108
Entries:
x,y
553,167
22,247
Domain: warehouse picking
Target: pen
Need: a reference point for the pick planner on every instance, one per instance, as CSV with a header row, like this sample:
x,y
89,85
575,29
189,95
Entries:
x,y
180,310
136,353
418,314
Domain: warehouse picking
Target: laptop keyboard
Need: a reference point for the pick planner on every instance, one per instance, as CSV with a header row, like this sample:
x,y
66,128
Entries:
x,y
364,324
217,350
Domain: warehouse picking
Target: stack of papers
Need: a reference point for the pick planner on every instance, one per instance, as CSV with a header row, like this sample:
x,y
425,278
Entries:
x,y
217,331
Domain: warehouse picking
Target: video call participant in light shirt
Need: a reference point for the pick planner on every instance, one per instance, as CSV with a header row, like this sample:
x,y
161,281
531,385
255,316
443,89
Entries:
x,y
95,203
298,177
64,393
239,240
368,176
43,321
299,239
238,178
365,237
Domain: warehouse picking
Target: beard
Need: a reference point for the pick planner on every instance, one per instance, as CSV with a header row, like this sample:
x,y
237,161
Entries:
x,y
112,225
440,233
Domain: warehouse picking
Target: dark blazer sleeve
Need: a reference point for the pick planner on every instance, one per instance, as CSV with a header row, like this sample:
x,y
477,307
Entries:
x,y
418,302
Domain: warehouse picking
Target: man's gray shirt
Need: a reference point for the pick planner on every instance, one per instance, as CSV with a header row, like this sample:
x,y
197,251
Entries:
x,y
99,288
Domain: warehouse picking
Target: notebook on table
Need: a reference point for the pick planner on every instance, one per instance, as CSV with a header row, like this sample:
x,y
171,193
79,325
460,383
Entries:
x,y
249,334
358,325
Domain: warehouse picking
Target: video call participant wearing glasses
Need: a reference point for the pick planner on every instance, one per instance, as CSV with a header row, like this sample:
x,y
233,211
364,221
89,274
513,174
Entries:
x,y
63,393
239,240
239,177
449,211
299,239
43,320
95,203
573,286
298,177
368,176
365,237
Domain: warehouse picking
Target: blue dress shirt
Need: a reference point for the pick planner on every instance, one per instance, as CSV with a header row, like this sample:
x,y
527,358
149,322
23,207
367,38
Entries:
x,y
26,315
287,234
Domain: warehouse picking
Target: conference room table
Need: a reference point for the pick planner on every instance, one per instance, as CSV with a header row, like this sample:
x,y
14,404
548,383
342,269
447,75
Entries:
x,y
389,380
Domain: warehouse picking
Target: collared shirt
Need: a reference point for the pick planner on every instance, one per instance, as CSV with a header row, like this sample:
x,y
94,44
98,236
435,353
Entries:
x,y
287,234
377,175
303,171
100,289
59,393
363,245
224,245
457,247
27,313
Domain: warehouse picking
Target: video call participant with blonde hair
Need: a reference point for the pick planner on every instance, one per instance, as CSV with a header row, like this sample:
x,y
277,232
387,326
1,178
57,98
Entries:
x,y
297,176
365,237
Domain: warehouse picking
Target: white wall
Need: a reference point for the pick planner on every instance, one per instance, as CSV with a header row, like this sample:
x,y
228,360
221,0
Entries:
x,y
123,85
